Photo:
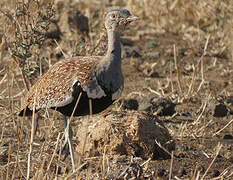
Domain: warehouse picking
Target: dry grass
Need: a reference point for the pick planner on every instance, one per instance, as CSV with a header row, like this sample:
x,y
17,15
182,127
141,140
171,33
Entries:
x,y
195,41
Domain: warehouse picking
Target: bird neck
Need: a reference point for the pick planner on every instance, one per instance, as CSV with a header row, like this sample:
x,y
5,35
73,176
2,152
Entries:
x,y
114,46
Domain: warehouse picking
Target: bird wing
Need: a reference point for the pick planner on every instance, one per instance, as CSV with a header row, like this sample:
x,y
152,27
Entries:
x,y
55,87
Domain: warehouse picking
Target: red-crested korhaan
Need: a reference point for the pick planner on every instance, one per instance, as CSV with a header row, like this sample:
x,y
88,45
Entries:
x,y
83,78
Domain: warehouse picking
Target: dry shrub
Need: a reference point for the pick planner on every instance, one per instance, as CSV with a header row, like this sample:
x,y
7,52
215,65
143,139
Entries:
x,y
24,33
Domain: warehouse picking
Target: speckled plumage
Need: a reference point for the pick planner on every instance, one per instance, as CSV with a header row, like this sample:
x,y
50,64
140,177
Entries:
x,y
97,77
56,86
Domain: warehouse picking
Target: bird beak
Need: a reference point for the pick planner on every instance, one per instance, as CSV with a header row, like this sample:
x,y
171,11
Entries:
x,y
128,20
131,19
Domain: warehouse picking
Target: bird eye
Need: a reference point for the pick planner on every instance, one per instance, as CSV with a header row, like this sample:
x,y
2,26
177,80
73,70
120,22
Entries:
x,y
113,16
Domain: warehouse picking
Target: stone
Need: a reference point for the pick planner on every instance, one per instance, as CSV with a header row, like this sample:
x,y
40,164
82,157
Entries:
x,y
128,104
124,133
220,110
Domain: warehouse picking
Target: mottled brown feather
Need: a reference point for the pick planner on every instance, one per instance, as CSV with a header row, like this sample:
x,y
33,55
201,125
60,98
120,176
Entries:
x,y
56,85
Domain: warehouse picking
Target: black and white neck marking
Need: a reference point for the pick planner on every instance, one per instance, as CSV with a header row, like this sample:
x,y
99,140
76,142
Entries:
x,y
109,70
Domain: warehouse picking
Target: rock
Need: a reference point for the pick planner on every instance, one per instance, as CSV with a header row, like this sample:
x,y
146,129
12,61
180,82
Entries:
x,y
228,136
220,110
186,114
124,133
159,106
130,104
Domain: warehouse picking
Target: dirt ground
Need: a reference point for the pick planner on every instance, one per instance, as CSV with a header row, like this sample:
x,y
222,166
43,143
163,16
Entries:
x,y
174,119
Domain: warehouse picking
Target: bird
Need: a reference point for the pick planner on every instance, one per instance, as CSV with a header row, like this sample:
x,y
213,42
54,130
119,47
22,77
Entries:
x,y
82,85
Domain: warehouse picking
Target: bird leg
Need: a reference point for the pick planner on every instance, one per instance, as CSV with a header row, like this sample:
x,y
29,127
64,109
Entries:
x,y
36,117
69,133
67,146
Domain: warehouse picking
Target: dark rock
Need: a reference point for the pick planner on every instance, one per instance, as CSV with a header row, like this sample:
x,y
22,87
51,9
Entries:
x,y
162,106
227,136
130,104
186,114
220,110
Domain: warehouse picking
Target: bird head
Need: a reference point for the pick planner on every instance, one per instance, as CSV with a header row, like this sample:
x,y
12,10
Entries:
x,y
117,20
